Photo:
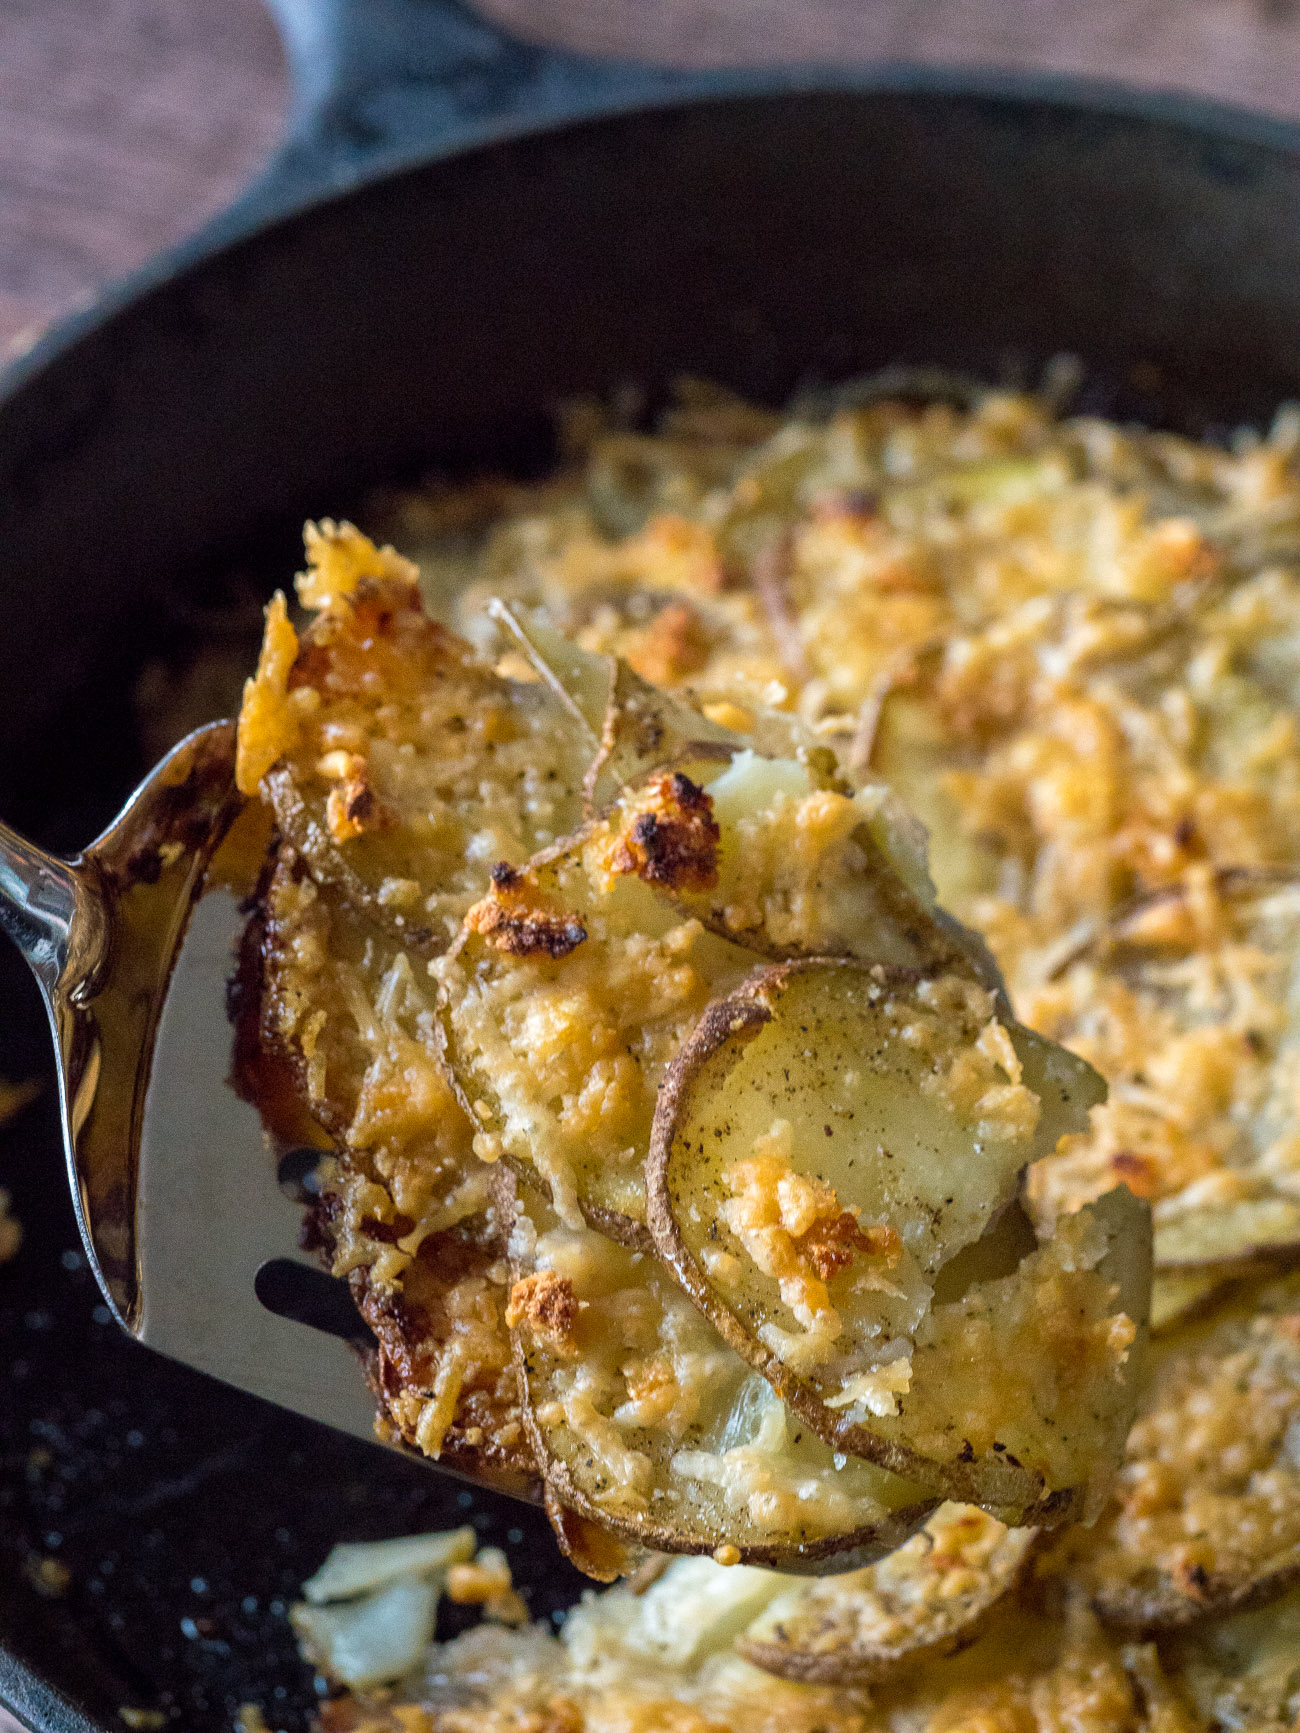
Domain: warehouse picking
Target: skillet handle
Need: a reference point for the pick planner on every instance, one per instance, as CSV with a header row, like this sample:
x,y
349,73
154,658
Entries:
x,y
382,83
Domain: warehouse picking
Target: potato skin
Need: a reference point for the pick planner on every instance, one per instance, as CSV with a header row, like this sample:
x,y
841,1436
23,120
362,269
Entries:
x,y
947,1629
565,1499
1016,1495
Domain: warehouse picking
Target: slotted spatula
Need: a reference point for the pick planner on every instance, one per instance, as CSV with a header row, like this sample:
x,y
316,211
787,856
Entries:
x,y
175,1182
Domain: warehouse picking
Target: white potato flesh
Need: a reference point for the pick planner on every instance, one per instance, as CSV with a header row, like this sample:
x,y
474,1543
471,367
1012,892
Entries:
x,y
374,1640
357,1567
832,1150
909,1107
647,1422
697,1607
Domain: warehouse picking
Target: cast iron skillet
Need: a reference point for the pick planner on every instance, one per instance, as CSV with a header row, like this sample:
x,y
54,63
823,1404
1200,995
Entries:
x,y
461,230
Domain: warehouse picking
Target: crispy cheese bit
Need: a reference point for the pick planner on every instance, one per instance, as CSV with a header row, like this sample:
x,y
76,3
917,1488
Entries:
x,y
515,918
486,1582
269,719
794,1228
668,836
831,1245
339,557
352,806
485,1576
545,1301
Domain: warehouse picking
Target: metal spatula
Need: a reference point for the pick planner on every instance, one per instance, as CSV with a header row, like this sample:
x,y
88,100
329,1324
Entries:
x,y
174,1180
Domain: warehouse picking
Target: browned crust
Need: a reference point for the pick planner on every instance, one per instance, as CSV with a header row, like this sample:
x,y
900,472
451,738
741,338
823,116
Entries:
x,y
857,1547
1017,1496
515,919
405,1326
354,807
670,837
875,1662
270,1073
546,1303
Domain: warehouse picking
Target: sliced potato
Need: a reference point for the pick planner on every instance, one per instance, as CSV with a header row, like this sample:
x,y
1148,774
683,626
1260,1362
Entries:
x,y
926,1599
577,979
632,725
403,1210
559,1011
1207,1237
827,1142
647,1424
1187,1002
399,764
801,863
1206,1515
1243,1672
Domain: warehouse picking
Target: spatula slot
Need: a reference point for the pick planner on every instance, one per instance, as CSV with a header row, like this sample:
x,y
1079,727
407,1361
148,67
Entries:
x,y
308,1296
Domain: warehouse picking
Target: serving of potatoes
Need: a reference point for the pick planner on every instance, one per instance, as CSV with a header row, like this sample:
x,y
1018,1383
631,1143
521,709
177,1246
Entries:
x,y
703,1173
652,1064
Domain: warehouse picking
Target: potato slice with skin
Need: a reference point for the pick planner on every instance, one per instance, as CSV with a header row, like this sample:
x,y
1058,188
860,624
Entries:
x,y
828,1140
1206,1515
559,1011
927,1599
578,978
408,766
804,864
404,1208
645,1423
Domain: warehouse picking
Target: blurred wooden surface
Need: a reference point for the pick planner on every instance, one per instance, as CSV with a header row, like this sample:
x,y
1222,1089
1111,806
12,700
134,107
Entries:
x,y
125,123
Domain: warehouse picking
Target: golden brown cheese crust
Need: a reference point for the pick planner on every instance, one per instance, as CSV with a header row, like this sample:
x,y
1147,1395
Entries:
x,y
545,1303
668,835
515,918
433,1294
1206,1517
1072,650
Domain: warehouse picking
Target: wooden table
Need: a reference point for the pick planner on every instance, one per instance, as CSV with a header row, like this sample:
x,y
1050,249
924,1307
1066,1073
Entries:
x,y
125,123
